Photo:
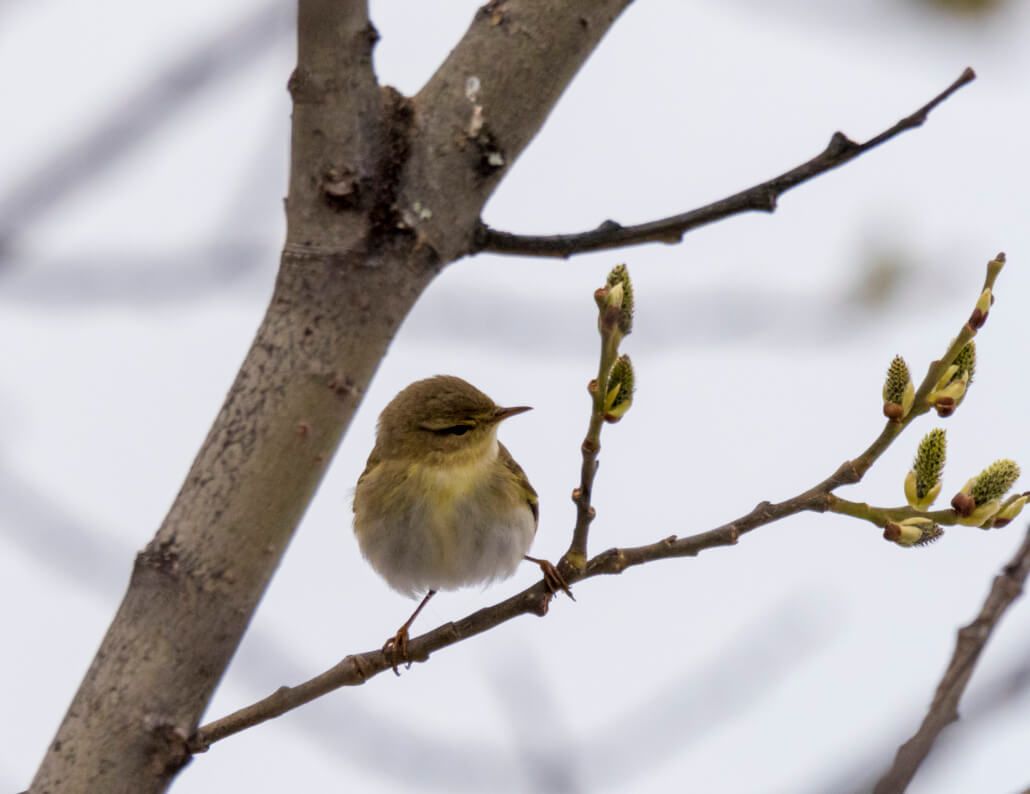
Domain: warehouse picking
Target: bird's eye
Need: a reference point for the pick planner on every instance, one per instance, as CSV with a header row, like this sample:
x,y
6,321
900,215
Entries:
x,y
456,430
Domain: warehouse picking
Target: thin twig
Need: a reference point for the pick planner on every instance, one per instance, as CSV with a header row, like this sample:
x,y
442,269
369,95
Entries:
x,y
881,515
575,558
1007,587
357,669
670,230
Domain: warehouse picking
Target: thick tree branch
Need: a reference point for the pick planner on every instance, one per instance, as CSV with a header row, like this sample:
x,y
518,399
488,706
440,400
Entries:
x,y
485,103
670,230
384,191
196,584
1007,587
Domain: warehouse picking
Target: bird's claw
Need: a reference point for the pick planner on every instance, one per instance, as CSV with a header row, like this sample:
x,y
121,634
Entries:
x,y
396,649
552,577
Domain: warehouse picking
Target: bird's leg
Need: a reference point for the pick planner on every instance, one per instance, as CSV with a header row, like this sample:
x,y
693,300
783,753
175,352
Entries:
x,y
552,576
397,646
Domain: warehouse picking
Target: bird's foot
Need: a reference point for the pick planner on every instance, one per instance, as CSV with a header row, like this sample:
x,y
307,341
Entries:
x,y
396,649
552,576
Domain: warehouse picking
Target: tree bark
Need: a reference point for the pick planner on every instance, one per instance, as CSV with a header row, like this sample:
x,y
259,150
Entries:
x,y
384,191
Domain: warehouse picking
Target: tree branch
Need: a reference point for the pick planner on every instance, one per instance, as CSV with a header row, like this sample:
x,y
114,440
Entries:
x,y
670,230
485,103
575,559
1007,587
382,195
358,668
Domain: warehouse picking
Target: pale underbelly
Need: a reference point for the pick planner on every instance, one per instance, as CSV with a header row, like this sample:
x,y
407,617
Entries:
x,y
416,554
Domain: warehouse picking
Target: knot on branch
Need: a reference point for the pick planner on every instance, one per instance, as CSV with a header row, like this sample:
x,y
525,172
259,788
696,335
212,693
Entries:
x,y
538,601
611,561
341,187
303,87
169,749
159,556
839,145
361,668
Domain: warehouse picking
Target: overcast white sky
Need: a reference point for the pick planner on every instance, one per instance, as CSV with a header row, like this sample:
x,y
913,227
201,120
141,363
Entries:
x,y
141,182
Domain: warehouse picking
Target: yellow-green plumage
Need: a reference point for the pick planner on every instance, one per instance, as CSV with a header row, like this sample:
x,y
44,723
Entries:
x,y
442,504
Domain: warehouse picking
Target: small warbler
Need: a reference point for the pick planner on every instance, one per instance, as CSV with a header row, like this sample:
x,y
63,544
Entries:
x,y
442,504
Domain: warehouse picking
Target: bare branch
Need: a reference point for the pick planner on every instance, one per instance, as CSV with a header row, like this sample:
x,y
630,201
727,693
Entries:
x,y
373,212
1007,587
611,335
195,586
356,669
498,84
762,197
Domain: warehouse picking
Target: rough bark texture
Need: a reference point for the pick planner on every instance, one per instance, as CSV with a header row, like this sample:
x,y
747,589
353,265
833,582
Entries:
x,y
384,191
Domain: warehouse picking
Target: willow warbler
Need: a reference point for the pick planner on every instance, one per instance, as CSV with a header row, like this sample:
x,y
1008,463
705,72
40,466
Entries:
x,y
442,504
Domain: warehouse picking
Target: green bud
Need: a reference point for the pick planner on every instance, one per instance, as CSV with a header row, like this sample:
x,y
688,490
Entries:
x,y
950,388
615,296
923,483
620,277
982,515
951,372
898,391
994,481
1009,511
966,362
916,531
619,397
983,303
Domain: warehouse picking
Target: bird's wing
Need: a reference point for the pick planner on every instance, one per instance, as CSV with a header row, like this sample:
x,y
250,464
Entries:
x,y
373,462
516,469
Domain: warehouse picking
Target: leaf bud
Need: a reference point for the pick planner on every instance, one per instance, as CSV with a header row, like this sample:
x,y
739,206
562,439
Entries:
x,y
994,481
950,388
979,500
1009,511
982,308
923,482
620,293
915,531
898,391
619,396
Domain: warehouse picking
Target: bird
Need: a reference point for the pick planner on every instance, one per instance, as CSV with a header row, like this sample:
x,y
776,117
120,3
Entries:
x,y
442,504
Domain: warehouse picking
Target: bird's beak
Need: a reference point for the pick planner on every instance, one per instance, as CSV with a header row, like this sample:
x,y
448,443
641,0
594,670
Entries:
x,y
504,413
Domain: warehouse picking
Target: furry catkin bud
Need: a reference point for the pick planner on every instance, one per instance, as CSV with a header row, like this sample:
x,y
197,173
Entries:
x,y
966,362
950,388
619,277
898,391
994,481
619,397
917,531
923,483
979,501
